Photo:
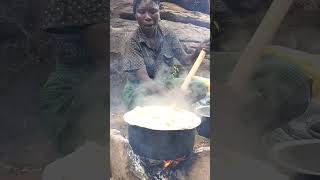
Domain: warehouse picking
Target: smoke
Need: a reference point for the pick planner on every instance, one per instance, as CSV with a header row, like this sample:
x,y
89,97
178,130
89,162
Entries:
x,y
170,96
174,97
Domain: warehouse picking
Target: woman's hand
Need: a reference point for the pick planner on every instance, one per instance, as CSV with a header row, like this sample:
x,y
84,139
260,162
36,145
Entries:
x,y
205,45
153,87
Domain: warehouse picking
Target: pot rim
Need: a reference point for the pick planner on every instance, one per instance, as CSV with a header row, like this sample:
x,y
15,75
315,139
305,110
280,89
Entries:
x,y
194,125
169,130
201,114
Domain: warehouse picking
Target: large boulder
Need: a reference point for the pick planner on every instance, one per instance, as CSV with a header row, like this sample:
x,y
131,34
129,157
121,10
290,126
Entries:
x,y
193,5
172,12
168,11
118,7
120,166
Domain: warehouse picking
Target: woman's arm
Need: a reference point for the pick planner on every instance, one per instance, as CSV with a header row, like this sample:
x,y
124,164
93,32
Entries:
x,y
145,81
133,63
148,83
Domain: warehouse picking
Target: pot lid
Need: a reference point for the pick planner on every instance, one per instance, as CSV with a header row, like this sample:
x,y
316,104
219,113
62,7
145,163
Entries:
x,y
163,118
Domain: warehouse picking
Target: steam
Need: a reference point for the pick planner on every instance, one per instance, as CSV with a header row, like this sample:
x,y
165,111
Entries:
x,y
174,97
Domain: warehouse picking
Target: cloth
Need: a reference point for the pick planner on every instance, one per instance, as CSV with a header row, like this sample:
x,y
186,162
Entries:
x,y
60,97
62,100
60,103
70,48
63,14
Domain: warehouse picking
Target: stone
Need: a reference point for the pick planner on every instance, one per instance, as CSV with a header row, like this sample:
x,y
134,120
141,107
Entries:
x,y
193,5
118,7
172,12
119,158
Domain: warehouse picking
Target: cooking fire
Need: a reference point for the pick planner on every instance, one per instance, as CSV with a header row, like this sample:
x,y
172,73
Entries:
x,y
168,163
165,169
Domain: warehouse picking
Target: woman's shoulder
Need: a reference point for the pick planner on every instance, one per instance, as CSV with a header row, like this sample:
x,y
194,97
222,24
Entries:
x,y
130,40
131,37
166,30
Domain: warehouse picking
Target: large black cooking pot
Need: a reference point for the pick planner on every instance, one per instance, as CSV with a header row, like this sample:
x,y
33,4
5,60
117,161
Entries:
x,y
161,145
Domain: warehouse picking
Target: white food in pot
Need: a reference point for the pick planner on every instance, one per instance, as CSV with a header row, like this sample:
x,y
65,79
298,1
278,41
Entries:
x,y
162,118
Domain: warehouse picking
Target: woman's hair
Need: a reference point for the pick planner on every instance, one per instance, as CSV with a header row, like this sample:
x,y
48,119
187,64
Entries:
x,y
137,2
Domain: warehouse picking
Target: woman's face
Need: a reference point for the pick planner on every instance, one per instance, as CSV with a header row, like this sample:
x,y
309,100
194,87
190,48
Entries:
x,y
147,15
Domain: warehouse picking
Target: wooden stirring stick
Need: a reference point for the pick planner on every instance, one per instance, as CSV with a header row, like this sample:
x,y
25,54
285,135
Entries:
x,y
193,70
260,40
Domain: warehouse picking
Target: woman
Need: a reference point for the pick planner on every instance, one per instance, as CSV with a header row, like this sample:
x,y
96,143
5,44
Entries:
x,y
151,55
78,33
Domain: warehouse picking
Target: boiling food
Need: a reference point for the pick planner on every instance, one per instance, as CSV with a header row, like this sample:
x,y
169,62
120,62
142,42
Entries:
x,y
162,118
